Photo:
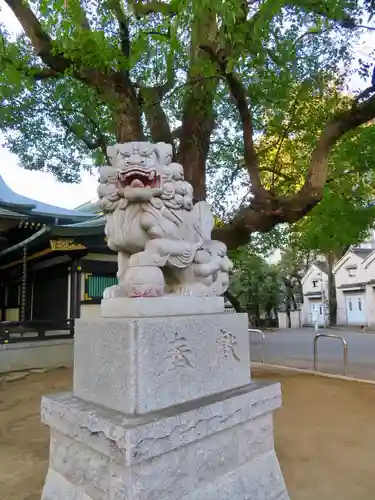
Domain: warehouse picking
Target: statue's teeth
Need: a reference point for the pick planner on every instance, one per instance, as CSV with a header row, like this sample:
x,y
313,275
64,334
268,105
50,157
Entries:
x,y
137,183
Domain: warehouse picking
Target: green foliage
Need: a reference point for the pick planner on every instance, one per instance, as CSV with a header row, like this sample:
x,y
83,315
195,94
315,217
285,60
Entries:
x,y
294,263
287,48
255,283
265,244
294,260
347,211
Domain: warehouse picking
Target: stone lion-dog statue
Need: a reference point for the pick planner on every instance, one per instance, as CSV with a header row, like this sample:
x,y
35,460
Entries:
x,y
163,240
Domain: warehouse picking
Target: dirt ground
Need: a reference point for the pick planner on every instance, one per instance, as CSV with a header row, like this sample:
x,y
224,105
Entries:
x,y
325,436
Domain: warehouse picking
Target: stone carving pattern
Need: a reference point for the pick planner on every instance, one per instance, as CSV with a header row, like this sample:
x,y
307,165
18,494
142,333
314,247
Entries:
x,y
227,343
162,239
179,353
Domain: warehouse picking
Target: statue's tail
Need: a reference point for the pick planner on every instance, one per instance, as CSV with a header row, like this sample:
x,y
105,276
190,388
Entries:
x,y
203,220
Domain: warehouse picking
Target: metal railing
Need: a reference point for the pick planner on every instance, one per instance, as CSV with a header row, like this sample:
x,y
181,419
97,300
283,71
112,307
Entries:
x,y
344,345
34,330
263,341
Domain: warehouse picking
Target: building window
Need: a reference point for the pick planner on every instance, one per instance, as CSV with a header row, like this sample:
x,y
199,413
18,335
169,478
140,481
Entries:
x,y
350,305
315,284
95,286
352,272
359,304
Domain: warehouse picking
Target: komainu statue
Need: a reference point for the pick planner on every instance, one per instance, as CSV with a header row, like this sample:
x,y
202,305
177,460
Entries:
x,y
163,241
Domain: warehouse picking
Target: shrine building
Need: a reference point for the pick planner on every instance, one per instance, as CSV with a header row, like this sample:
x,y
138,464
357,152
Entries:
x,y
54,263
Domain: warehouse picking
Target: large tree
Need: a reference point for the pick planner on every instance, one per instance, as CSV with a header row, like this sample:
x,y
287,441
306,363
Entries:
x,y
207,76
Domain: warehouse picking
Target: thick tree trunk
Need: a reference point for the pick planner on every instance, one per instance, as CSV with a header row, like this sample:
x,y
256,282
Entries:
x,y
127,116
198,119
156,118
288,309
236,304
332,300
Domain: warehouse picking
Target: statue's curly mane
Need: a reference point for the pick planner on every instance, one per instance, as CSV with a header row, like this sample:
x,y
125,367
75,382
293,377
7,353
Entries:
x,y
122,225
153,225
171,210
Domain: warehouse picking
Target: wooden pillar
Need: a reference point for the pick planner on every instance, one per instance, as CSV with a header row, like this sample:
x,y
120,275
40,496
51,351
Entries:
x,y
75,289
3,303
23,286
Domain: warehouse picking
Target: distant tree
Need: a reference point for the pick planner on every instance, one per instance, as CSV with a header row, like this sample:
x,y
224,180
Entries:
x,y
255,284
292,266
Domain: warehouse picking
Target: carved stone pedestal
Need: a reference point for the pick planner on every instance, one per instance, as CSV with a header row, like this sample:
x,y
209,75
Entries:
x,y
163,409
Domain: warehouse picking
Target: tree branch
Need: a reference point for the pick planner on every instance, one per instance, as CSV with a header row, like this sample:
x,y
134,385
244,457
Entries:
x,y
91,144
150,99
150,102
277,173
176,133
34,72
42,73
43,46
322,9
40,40
342,123
365,94
72,128
171,76
122,20
238,93
290,209
153,7
82,21
285,134
163,89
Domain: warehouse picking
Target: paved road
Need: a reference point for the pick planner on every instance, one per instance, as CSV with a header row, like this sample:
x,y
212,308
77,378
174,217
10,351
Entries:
x,y
295,348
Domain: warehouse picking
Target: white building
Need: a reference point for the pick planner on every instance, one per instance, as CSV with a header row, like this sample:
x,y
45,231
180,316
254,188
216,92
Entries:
x,y
315,293
355,279
355,289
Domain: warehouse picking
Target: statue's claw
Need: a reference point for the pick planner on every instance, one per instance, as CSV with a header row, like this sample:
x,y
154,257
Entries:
x,y
113,292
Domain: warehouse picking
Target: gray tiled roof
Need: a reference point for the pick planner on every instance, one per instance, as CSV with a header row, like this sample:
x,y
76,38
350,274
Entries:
x,y
322,266
16,202
362,252
318,293
9,214
89,206
92,226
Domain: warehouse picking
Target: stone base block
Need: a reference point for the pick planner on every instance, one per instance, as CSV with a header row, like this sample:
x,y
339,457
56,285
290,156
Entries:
x,y
125,307
216,448
146,364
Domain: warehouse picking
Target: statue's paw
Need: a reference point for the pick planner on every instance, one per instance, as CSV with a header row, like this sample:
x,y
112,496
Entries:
x,y
193,290
113,292
146,259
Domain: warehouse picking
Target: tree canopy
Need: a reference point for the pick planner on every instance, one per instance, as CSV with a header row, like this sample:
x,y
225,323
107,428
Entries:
x,y
223,81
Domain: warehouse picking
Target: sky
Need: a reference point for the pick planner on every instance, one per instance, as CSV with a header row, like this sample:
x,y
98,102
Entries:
x,y
43,187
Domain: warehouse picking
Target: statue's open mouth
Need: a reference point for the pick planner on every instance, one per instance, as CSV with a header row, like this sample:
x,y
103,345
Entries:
x,y
139,178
